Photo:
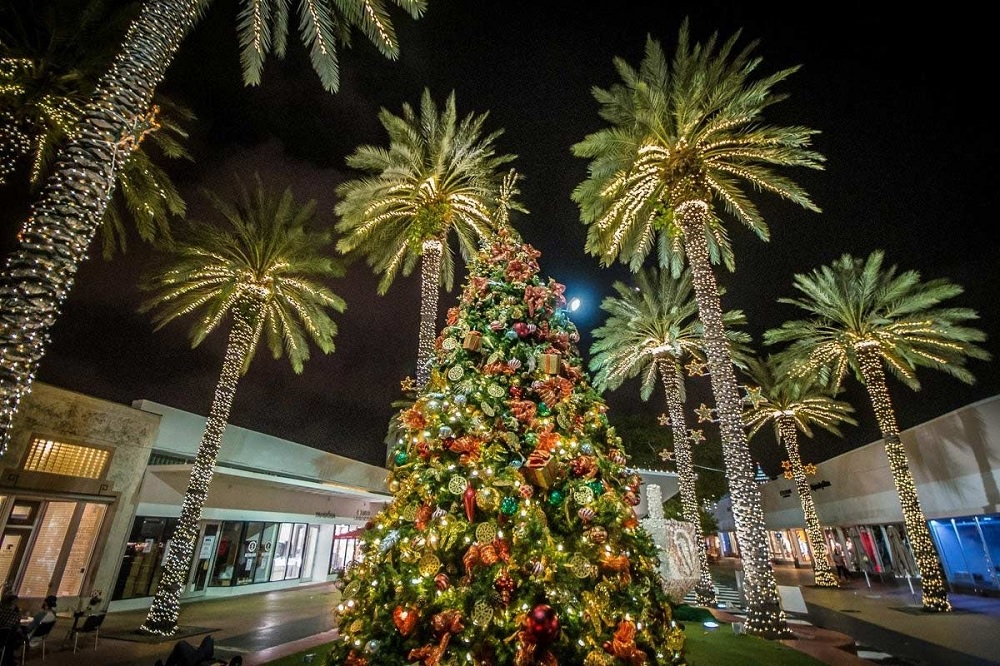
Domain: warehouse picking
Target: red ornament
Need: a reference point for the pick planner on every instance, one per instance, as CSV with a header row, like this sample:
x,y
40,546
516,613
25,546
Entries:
x,y
542,624
522,329
469,500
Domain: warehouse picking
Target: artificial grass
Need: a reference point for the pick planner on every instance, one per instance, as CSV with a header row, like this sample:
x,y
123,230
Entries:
x,y
722,647
702,647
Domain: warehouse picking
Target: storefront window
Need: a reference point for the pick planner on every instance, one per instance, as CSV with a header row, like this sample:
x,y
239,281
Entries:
x,y
41,563
293,568
966,546
265,552
248,553
281,551
141,563
226,553
344,548
78,561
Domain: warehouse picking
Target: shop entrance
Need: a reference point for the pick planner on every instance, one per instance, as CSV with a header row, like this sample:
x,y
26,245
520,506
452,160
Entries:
x,y
204,557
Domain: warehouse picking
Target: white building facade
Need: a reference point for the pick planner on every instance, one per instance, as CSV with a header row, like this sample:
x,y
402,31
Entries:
x,y
955,462
91,491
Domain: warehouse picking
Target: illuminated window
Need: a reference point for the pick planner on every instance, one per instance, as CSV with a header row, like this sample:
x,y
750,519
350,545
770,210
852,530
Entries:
x,y
53,457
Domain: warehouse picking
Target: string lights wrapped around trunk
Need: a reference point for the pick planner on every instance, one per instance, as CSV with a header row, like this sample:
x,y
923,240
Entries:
x,y
165,609
765,616
672,386
823,574
430,277
40,271
932,585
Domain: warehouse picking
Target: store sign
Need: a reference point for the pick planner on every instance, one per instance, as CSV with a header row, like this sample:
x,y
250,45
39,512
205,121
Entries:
x,y
207,546
251,546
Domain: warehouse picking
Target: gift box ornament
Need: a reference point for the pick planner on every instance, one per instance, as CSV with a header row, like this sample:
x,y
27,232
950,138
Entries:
x,y
540,469
549,363
473,340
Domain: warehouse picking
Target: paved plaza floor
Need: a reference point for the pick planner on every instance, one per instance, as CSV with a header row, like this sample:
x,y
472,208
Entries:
x,y
883,622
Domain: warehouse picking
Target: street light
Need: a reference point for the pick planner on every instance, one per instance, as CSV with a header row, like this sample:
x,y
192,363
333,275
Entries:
x,y
574,304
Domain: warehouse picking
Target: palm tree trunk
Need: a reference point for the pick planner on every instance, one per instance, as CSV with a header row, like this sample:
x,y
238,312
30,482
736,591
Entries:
x,y
932,585
765,617
163,614
430,278
39,272
672,386
823,574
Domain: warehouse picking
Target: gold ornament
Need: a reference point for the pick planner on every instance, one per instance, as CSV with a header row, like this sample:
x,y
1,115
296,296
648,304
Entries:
x,y
457,484
482,613
583,495
409,512
356,627
449,343
487,409
429,565
486,532
495,390
580,566
704,413
455,373
352,589
488,499
696,368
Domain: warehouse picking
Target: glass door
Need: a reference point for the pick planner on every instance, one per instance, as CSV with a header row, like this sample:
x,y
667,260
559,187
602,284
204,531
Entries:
x,y
203,560
312,539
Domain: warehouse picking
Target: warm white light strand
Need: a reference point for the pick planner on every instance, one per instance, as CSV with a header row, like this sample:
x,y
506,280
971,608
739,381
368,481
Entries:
x,y
765,616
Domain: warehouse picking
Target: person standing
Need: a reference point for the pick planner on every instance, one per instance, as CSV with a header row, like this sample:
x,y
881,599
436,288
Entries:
x,y
841,563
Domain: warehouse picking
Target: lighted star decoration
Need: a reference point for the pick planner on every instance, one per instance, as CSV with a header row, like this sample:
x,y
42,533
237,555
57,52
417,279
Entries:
x,y
789,474
754,396
663,419
696,436
705,413
810,469
408,385
666,455
786,464
696,368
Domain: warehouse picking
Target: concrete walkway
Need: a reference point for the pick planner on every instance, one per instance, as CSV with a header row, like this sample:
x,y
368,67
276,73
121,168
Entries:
x,y
853,626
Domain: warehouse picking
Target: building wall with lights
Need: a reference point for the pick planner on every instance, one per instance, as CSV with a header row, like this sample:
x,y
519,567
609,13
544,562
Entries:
x,y
69,484
955,461
91,491
278,514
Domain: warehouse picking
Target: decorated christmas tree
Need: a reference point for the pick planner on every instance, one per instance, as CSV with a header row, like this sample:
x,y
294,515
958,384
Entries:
x,y
511,537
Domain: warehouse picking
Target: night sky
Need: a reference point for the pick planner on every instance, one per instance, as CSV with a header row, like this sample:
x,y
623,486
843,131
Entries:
x,y
900,101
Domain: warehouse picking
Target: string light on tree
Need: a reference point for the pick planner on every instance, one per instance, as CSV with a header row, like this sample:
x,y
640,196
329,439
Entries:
x,y
932,584
40,271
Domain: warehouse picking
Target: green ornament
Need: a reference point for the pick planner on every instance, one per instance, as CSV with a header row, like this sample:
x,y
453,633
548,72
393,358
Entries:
x,y
596,486
401,458
508,506
543,409
556,497
531,438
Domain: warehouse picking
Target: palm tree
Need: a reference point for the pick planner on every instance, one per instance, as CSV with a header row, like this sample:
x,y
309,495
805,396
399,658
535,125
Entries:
x,y
438,175
40,271
865,317
650,329
263,268
793,405
684,137
51,58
